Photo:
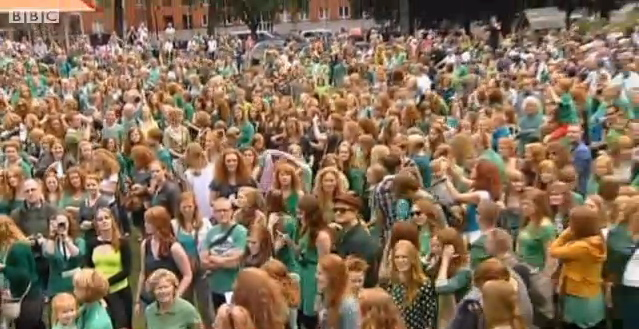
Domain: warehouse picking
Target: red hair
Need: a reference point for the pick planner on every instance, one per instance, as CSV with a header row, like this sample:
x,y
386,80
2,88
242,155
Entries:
x,y
487,178
334,267
159,217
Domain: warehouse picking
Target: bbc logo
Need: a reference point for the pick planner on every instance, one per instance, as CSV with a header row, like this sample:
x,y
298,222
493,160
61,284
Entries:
x,y
34,17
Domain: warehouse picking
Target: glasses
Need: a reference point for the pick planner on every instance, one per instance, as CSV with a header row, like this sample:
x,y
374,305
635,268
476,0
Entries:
x,y
416,213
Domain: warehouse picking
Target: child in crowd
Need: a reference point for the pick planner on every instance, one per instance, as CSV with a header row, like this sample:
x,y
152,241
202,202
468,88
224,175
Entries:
x,y
64,309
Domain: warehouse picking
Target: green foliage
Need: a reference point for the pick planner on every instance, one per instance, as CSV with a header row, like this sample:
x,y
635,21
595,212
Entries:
x,y
104,3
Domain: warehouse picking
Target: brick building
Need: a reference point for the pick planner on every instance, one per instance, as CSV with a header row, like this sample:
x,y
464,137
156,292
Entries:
x,y
182,16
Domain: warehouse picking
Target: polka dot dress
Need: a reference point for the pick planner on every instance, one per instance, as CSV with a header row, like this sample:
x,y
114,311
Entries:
x,y
421,313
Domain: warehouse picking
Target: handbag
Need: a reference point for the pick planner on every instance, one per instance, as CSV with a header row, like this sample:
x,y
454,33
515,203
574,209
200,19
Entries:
x,y
11,307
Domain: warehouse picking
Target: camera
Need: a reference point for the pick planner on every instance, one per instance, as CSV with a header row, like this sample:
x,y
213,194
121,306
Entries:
x,y
62,226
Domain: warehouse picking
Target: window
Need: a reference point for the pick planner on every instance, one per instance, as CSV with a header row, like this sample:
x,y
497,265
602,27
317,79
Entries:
x,y
97,27
168,19
344,12
205,21
285,16
187,21
167,3
303,15
323,13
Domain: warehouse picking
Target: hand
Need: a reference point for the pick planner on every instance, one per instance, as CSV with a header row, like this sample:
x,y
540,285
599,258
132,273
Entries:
x,y
86,225
280,242
137,308
448,252
2,266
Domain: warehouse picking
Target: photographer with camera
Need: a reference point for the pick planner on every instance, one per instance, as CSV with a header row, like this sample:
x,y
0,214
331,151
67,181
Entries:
x,y
64,250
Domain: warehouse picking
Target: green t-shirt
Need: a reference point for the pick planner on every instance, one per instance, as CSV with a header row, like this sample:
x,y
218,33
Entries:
x,y
182,315
115,131
533,242
221,280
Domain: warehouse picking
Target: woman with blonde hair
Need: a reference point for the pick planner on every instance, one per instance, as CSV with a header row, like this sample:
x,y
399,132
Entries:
x,y
19,271
290,287
328,184
199,173
164,286
602,167
89,288
261,297
339,309
500,306
379,310
109,253
412,291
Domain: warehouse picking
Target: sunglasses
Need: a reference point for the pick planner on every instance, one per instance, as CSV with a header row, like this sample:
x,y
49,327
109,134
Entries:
x,y
416,213
339,210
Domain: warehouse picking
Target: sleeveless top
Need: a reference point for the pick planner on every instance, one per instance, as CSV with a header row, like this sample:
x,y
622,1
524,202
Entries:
x,y
151,263
110,264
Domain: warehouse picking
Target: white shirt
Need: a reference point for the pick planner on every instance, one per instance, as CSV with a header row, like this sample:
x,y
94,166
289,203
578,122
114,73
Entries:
x,y
200,186
424,83
212,45
631,273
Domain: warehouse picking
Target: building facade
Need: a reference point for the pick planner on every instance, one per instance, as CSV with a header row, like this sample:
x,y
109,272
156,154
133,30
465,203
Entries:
x,y
185,17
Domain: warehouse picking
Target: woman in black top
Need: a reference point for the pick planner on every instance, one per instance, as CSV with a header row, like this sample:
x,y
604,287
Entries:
x,y
164,192
231,173
90,205
161,250
110,254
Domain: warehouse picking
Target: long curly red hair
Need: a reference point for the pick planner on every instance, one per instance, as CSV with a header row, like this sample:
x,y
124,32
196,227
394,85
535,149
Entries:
x,y
261,297
160,218
487,178
334,267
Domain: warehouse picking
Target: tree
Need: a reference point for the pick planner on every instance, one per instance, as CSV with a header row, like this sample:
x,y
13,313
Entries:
x,y
251,12
295,8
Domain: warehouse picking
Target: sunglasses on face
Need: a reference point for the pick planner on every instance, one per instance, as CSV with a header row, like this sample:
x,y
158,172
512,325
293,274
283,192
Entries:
x,y
339,210
416,213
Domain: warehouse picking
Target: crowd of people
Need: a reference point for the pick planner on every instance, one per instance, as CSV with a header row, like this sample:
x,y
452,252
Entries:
x,y
444,180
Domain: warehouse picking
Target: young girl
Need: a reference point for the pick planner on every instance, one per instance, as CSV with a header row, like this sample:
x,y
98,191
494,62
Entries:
x,y
65,310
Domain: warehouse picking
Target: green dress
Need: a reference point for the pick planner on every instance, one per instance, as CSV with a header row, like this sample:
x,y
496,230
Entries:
x,y
291,203
286,254
308,259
